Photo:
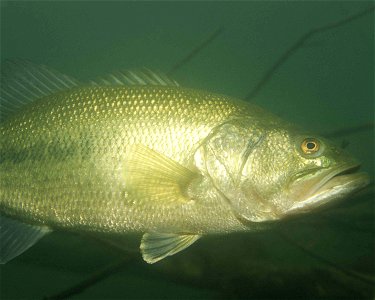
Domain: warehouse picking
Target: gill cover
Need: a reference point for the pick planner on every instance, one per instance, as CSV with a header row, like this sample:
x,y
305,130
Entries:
x,y
225,155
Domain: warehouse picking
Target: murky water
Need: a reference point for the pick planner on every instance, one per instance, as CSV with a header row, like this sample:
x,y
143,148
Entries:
x,y
326,85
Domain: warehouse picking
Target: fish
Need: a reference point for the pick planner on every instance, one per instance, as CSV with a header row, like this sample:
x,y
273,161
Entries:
x,y
135,152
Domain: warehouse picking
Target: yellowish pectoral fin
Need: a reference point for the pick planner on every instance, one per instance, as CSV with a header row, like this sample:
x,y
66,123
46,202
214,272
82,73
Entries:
x,y
156,246
155,176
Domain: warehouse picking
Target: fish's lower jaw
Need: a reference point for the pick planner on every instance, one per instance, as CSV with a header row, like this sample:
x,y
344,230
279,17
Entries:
x,y
338,188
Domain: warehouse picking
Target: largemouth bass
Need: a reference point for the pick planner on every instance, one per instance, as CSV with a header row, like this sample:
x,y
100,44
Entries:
x,y
135,152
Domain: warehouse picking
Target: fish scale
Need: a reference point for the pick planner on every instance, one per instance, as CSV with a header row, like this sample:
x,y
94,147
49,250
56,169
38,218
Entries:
x,y
81,150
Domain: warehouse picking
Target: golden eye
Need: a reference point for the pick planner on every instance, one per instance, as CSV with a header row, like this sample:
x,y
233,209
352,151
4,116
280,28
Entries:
x,y
310,146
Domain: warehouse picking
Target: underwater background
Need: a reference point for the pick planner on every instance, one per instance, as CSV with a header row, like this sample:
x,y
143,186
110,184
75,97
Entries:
x,y
325,86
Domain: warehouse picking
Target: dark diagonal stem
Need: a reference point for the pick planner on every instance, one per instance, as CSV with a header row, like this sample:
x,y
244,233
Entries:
x,y
195,51
298,44
350,273
100,275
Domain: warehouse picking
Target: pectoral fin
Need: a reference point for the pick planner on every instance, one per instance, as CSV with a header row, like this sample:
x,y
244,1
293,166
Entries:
x,y
154,176
16,237
156,246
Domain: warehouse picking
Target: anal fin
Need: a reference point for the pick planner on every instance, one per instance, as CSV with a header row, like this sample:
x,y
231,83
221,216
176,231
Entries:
x,y
156,246
16,237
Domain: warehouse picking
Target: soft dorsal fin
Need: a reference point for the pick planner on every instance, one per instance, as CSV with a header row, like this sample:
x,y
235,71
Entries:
x,y
23,82
156,246
138,77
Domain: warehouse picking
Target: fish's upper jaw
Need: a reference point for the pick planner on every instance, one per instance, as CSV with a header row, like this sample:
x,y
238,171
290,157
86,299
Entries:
x,y
338,184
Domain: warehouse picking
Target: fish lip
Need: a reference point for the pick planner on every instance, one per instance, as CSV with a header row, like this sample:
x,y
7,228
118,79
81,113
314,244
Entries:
x,y
340,170
345,176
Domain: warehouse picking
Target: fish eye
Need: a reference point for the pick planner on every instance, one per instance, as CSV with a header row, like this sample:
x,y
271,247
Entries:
x,y
310,146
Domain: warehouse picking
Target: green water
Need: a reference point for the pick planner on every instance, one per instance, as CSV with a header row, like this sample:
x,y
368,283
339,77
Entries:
x,y
326,85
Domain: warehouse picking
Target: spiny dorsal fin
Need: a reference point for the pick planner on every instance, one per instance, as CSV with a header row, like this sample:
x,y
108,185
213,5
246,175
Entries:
x,y
156,246
138,77
153,176
23,82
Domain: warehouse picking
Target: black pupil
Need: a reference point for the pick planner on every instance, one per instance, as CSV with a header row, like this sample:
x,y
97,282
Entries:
x,y
310,145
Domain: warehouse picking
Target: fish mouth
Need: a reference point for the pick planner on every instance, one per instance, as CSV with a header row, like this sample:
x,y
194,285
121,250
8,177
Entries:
x,y
337,184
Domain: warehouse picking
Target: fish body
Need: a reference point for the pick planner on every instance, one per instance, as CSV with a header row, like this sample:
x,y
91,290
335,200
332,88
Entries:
x,y
71,150
140,154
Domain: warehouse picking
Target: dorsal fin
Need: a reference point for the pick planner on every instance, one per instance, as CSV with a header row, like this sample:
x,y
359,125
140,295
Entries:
x,y
23,82
138,77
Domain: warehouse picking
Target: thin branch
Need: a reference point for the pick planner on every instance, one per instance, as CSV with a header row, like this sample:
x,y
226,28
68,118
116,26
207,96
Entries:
x,y
195,51
300,42
363,278
92,280
347,225
350,130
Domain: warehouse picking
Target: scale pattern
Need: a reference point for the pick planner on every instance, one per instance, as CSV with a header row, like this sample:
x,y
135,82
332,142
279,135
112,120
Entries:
x,y
61,157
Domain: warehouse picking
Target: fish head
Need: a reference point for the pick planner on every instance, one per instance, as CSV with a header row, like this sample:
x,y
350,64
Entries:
x,y
269,170
319,173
